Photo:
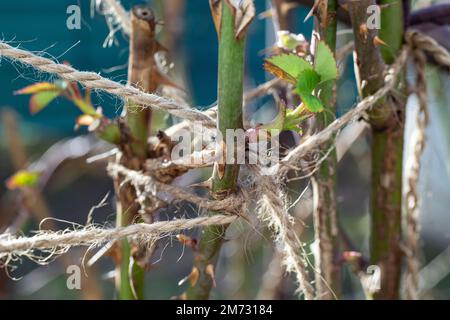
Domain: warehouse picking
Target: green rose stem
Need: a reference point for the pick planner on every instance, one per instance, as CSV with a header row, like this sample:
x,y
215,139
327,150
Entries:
x,y
387,124
328,279
224,180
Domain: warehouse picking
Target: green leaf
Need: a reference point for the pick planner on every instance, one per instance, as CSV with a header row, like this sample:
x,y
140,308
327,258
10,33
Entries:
x,y
307,82
293,119
325,90
41,99
287,66
324,62
311,102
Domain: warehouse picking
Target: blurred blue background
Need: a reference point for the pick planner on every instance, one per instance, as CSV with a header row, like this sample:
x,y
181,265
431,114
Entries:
x,y
40,26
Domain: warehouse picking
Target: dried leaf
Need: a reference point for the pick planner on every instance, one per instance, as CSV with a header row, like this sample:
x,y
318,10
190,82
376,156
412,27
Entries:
x,y
288,6
23,178
216,11
244,14
278,72
286,66
242,10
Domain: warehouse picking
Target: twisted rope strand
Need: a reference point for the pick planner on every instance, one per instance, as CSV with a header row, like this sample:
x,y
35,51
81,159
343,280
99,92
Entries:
x,y
232,204
413,173
429,45
48,240
273,211
95,81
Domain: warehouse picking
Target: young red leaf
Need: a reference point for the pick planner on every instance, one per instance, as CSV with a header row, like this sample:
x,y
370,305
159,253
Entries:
x,y
38,87
85,107
41,99
22,178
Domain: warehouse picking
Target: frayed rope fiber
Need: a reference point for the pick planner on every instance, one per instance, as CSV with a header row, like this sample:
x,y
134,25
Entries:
x,y
88,236
232,204
95,81
114,8
272,209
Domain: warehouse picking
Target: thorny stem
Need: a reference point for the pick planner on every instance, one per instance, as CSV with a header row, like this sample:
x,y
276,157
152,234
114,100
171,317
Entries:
x,y
387,158
230,97
327,262
141,73
392,28
387,122
108,131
